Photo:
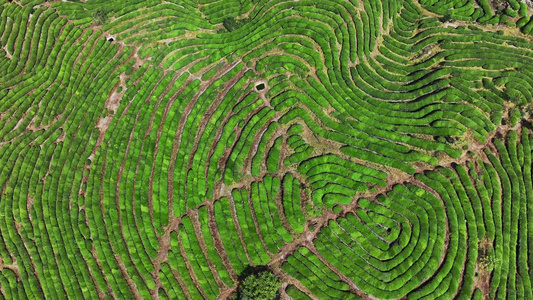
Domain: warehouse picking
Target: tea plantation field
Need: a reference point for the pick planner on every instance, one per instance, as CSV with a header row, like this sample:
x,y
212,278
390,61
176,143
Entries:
x,y
356,149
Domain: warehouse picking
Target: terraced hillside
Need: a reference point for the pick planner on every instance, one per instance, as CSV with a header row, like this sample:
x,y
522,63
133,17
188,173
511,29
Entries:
x,y
358,149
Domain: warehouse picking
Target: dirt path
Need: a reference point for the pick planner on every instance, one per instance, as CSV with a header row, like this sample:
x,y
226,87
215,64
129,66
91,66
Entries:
x,y
131,285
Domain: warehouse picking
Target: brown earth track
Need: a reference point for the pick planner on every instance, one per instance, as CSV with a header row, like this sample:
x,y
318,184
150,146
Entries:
x,y
188,264
13,267
219,246
101,294
132,286
238,227
212,108
193,215
284,153
30,126
180,129
245,183
159,133
353,288
163,253
17,271
135,217
128,279
482,282
84,45
155,276
220,189
182,284
164,241
173,222
176,143
225,293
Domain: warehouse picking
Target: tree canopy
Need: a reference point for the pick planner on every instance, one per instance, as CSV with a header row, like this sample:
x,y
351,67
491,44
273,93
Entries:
x,y
99,16
264,285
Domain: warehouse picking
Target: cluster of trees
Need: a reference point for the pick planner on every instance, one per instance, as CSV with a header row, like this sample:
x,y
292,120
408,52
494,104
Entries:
x,y
263,285
99,16
232,24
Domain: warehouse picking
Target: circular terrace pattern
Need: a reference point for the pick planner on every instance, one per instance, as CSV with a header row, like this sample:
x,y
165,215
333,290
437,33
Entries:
x,y
359,149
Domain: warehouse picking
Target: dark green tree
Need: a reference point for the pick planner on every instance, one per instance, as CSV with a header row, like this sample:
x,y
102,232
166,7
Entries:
x,y
99,16
263,285
230,24
447,18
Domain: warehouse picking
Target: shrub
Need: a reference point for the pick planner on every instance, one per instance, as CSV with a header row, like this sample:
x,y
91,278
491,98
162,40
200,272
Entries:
x,y
264,285
232,24
99,16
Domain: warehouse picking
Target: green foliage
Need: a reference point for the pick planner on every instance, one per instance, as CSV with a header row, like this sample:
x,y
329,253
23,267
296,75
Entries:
x,y
99,16
447,19
232,24
514,116
264,285
105,145
488,262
